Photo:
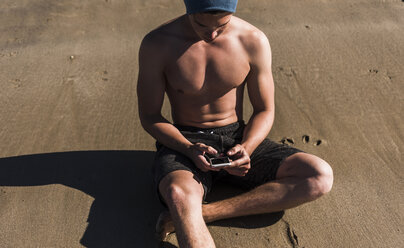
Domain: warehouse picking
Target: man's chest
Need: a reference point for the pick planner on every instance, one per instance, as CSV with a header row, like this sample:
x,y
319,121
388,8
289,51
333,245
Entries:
x,y
198,69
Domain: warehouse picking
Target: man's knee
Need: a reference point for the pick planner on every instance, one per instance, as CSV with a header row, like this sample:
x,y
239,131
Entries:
x,y
321,182
180,190
316,173
179,194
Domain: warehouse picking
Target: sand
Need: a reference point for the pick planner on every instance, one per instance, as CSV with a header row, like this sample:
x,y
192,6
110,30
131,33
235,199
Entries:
x,y
75,162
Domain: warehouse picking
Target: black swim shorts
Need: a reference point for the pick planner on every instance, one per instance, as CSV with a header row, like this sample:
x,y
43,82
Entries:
x,y
265,160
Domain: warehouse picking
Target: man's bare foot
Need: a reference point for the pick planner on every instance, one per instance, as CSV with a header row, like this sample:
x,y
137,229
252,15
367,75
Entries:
x,y
164,226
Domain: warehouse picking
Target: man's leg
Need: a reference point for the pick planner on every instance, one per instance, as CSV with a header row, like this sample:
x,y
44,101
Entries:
x,y
183,196
300,178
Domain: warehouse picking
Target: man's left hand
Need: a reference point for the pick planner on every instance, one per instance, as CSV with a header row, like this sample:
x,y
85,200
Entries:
x,y
240,161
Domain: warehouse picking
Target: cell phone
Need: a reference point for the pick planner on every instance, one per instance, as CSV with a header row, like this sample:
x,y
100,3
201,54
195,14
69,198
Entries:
x,y
218,162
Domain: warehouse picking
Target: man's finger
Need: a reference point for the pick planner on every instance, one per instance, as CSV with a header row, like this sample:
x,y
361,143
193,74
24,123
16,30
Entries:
x,y
205,165
236,149
204,162
240,162
205,148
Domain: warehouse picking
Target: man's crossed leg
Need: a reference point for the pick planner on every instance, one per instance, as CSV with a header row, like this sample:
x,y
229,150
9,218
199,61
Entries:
x,y
300,178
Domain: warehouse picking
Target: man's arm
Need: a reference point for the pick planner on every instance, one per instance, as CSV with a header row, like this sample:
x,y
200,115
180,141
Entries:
x,y
150,92
260,87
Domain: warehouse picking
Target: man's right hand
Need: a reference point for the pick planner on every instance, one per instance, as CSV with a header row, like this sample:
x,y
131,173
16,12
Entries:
x,y
197,152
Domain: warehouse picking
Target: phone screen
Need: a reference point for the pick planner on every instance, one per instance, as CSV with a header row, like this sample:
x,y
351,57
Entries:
x,y
220,161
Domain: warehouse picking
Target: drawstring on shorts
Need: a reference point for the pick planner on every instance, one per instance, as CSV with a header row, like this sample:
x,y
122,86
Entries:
x,y
220,140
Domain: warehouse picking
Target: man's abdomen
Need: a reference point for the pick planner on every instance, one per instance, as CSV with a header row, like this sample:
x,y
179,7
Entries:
x,y
204,112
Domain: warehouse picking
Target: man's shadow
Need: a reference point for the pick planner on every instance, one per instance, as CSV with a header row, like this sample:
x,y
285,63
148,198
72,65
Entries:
x,y
125,206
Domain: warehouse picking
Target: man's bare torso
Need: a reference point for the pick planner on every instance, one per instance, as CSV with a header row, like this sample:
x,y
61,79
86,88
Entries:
x,y
205,80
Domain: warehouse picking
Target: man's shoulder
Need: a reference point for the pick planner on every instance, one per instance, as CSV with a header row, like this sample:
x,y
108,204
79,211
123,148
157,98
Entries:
x,y
252,38
164,33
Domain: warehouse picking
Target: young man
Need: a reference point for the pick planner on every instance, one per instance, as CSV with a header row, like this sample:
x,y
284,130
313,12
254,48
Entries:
x,y
203,60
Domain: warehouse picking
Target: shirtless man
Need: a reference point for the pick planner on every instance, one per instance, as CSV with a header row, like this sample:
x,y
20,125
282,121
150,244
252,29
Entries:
x,y
203,60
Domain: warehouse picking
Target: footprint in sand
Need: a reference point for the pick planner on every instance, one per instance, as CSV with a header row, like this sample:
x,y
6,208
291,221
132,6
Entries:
x,y
289,72
382,73
16,83
70,79
11,54
288,141
305,140
104,78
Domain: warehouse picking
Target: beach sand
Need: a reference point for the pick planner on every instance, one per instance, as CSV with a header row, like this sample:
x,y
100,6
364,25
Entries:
x,y
75,161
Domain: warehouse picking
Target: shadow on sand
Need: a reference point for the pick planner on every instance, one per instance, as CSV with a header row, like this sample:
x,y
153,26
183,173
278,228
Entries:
x,y
126,207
